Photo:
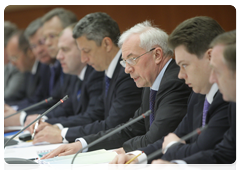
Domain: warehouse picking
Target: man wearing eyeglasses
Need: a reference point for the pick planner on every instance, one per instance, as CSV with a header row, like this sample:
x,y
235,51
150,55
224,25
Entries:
x,y
148,60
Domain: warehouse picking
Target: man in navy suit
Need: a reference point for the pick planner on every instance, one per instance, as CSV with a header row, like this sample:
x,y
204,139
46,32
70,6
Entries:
x,y
156,71
190,41
223,63
82,99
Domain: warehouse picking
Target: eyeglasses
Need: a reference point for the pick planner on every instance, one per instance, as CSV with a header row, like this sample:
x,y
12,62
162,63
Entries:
x,y
132,61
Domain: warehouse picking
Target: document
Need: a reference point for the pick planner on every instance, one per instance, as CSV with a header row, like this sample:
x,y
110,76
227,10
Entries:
x,y
95,157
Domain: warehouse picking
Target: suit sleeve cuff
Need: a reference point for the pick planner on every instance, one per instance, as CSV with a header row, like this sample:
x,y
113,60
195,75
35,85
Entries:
x,y
63,133
83,142
142,158
23,115
182,164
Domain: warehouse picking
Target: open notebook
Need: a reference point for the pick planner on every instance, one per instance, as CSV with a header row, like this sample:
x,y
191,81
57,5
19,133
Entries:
x,y
94,157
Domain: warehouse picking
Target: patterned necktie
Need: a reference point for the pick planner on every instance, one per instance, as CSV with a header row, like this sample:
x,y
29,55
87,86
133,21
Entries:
x,y
205,109
107,84
152,104
51,83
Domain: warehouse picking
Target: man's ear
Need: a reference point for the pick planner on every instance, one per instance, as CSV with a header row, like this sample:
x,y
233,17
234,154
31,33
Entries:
x,y
107,43
158,55
30,53
209,54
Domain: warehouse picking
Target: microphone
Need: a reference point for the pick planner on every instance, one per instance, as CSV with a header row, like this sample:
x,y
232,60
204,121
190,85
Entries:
x,y
30,107
147,113
13,160
193,133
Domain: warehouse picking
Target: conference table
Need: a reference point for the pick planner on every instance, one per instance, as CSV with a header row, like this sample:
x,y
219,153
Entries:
x,y
27,150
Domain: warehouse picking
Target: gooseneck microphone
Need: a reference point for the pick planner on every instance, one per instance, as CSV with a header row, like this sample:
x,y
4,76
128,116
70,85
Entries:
x,y
147,113
19,160
191,134
30,107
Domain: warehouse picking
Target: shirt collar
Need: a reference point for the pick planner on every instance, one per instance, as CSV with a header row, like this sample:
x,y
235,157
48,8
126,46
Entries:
x,y
111,68
82,74
158,80
34,68
212,93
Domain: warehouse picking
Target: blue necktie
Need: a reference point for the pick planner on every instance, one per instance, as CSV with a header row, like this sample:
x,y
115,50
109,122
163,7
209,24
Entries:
x,y
78,94
152,104
107,84
51,83
205,109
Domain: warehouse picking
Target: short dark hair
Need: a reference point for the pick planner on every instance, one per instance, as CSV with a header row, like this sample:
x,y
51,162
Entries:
x,y
66,17
229,55
23,43
32,28
9,29
195,34
228,39
96,26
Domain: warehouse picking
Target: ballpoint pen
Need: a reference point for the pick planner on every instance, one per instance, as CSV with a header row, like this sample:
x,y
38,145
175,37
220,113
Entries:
x,y
128,162
35,128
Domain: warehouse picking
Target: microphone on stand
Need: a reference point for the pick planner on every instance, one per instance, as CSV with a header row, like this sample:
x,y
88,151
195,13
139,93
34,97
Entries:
x,y
26,161
30,107
184,138
147,113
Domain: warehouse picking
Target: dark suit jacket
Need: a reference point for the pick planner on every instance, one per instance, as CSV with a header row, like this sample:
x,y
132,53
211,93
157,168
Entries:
x,y
225,151
91,88
170,108
117,107
62,87
217,126
32,85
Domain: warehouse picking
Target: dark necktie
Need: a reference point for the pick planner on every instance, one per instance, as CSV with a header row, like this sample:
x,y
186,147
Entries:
x,y
152,104
205,109
107,84
51,83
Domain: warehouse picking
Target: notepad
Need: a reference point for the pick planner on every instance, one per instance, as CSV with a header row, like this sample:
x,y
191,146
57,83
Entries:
x,y
94,157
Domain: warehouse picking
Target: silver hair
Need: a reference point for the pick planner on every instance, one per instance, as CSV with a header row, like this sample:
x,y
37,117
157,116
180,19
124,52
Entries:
x,y
150,36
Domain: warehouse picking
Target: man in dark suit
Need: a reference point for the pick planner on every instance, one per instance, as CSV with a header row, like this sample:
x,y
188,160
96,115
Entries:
x,y
82,99
24,59
206,106
156,71
223,63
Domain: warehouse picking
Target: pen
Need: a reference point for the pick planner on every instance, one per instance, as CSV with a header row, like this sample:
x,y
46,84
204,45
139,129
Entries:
x,y
128,162
35,128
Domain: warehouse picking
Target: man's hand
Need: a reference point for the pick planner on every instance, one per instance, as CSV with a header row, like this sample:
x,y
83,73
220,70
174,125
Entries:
x,y
123,158
64,150
29,120
47,133
161,164
170,138
120,151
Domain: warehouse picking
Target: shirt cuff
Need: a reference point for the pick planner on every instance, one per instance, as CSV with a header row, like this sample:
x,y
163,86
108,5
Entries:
x,y
63,133
60,126
142,159
168,146
182,164
83,142
23,115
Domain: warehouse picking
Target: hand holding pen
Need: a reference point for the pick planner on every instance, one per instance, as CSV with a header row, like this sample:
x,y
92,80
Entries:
x,y
35,128
125,159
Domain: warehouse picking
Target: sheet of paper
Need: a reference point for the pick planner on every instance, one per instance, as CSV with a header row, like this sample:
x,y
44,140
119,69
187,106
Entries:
x,y
27,152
